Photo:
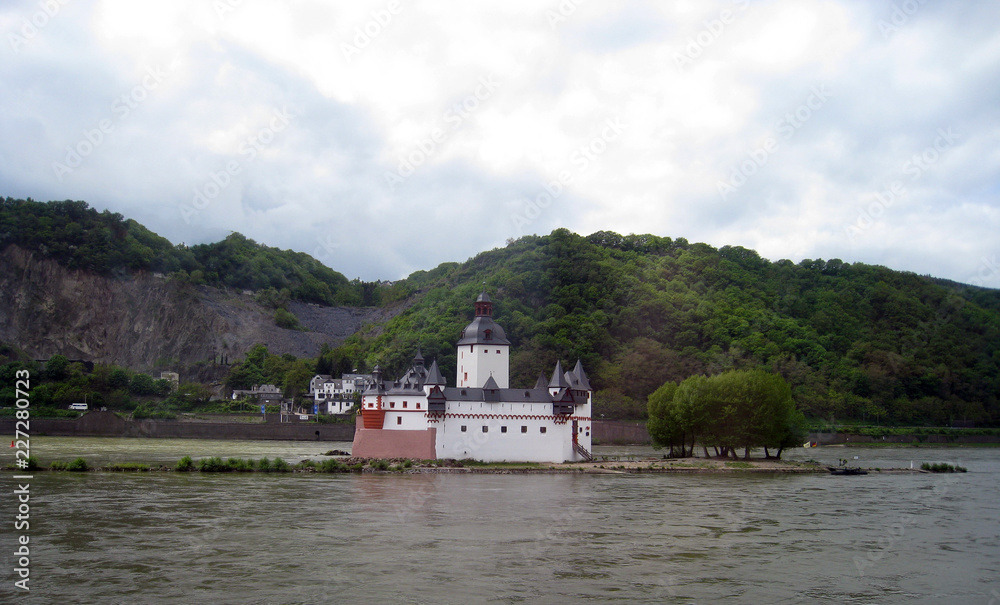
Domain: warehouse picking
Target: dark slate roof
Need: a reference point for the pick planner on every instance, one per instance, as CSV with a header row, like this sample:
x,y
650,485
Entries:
x,y
434,375
541,383
475,332
558,378
491,385
582,382
504,395
483,297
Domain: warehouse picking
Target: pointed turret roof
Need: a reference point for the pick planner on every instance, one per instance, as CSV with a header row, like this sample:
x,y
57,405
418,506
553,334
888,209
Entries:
x,y
541,383
558,379
434,375
418,359
581,381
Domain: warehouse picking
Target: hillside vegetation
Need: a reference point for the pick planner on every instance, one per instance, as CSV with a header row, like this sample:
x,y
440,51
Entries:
x,y
855,341
80,237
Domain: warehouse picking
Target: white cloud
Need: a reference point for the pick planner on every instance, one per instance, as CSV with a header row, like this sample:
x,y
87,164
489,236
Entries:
x,y
699,87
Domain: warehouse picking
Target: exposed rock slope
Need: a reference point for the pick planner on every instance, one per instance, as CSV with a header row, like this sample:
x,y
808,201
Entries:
x,y
147,322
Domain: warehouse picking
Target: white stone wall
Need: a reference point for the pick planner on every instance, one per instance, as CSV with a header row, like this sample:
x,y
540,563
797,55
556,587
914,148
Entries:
x,y
476,363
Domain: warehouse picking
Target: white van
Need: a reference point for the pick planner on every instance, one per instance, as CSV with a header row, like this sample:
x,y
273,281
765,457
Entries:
x,y
82,407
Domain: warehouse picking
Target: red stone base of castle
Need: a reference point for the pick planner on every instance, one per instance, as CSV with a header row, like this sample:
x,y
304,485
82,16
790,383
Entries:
x,y
379,443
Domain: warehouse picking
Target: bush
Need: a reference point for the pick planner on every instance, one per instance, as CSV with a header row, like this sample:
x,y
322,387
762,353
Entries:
x,y
332,466
32,463
79,465
213,464
57,465
942,467
185,464
264,465
280,466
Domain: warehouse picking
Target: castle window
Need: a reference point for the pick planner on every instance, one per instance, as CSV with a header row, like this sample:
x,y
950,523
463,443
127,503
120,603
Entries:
x,y
503,429
418,405
488,334
542,430
464,428
392,404
524,429
404,404
486,429
399,420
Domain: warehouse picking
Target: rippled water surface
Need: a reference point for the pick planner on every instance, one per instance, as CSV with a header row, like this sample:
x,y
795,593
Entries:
x,y
437,538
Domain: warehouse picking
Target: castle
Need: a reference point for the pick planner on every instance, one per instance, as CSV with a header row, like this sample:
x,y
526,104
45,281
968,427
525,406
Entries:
x,y
481,417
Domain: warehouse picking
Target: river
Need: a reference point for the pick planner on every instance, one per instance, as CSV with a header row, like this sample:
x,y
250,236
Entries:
x,y
545,538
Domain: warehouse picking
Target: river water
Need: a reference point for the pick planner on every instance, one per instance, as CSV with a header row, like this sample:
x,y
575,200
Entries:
x,y
473,538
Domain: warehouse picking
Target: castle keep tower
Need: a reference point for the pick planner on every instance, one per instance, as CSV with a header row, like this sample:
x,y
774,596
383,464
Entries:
x,y
483,350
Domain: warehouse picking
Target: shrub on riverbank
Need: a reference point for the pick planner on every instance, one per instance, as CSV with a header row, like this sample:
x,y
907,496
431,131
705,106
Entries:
x,y
942,467
185,464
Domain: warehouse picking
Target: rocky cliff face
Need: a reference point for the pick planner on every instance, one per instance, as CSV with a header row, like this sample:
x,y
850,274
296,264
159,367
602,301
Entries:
x,y
147,322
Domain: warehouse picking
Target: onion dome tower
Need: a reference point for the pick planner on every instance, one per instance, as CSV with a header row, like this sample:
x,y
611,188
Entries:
x,y
483,350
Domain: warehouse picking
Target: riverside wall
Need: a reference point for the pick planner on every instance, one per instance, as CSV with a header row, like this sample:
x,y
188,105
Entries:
x,y
108,424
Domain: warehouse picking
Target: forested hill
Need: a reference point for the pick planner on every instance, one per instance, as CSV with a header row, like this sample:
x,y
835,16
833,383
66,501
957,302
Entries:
x,y
79,237
854,340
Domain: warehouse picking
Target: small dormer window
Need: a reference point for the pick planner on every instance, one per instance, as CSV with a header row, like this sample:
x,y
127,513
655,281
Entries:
x,y
487,334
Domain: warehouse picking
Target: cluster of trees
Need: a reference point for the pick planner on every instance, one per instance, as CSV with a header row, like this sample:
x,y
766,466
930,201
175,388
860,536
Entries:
x,y
259,366
854,341
58,382
79,237
731,411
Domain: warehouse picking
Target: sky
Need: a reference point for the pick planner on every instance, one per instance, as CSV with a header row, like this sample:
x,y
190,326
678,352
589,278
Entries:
x,y
390,136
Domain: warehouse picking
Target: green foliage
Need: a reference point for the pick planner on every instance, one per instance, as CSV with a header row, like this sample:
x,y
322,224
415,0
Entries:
x,y
280,466
285,319
942,467
78,465
185,464
57,465
730,411
213,464
32,463
852,340
79,237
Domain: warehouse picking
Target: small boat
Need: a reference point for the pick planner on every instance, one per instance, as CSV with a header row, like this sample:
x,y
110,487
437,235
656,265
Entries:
x,y
847,470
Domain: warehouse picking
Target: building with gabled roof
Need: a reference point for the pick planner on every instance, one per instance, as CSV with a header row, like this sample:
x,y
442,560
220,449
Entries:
x,y
481,417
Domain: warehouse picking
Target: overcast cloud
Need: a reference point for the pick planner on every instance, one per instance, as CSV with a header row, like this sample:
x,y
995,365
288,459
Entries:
x,y
385,137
